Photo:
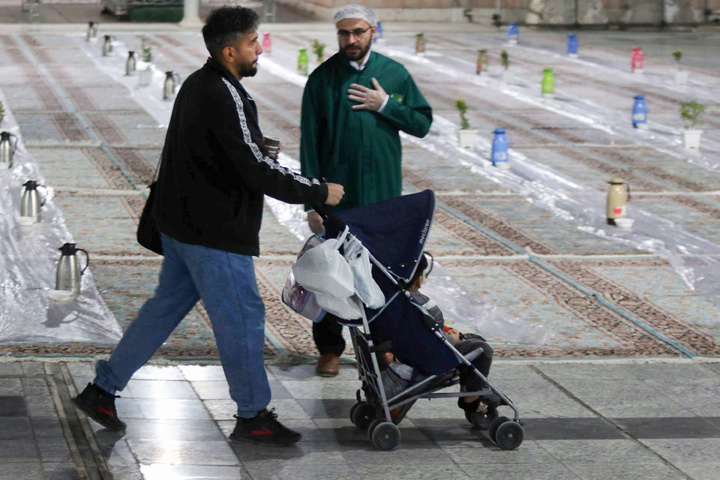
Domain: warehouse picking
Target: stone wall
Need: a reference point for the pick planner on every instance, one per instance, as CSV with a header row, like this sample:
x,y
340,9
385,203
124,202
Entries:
x,y
534,12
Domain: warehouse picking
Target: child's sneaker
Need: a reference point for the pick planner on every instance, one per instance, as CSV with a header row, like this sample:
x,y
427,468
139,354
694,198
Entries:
x,y
265,429
485,404
99,405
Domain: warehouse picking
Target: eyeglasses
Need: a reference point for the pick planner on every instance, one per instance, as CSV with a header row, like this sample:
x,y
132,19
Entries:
x,y
359,32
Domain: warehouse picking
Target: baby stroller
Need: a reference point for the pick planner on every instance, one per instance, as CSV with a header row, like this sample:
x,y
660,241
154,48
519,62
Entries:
x,y
394,232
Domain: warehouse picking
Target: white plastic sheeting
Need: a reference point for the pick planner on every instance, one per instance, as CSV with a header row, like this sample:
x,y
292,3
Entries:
x,y
28,259
695,259
663,138
468,313
563,197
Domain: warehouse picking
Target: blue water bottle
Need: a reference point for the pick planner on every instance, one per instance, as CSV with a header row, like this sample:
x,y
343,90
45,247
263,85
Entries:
x,y
378,32
513,32
572,45
639,112
499,149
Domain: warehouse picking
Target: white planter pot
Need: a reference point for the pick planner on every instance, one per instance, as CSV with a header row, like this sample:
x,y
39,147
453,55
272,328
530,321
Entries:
x,y
145,76
681,77
466,138
691,138
505,76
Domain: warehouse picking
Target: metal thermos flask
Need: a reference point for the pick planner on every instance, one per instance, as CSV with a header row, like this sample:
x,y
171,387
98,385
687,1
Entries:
x,y
172,79
68,274
8,145
91,31
617,200
30,202
107,47
130,63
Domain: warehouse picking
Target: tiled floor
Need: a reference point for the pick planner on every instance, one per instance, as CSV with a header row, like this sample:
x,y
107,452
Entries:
x,y
582,421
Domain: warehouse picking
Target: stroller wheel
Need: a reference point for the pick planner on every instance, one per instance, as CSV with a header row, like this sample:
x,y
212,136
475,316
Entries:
x,y
384,435
494,426
481,420
362,414
509,435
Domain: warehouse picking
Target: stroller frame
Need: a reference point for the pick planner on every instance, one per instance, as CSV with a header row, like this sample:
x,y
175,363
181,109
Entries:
x,y
402,224
369,373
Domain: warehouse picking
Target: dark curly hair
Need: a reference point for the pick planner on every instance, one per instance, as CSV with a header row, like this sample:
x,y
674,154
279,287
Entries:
x,y
225,24
421,268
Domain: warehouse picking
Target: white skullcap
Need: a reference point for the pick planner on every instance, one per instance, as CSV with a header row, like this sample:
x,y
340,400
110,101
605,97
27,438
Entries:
x,y
356,11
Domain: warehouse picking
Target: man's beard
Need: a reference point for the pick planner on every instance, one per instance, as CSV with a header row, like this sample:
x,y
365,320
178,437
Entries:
x,y
360,55
247,69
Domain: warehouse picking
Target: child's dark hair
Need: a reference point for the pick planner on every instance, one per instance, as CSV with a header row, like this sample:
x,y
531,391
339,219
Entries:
x,y
420,270
225,24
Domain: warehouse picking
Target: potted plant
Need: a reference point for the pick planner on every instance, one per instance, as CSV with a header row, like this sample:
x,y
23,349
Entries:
x,y
466,135
691,112
2,112
505,60
319,49
145,74
681,76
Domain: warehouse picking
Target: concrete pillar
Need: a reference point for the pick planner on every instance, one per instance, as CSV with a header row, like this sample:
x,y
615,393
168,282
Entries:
x,y
562,12
191,17
591,12
679,11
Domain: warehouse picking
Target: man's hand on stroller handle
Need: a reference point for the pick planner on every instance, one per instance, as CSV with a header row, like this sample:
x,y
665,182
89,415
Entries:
x,y
315,222
335,194
317,217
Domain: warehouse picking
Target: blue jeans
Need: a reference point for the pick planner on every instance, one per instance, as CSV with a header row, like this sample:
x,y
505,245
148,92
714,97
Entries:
x,y
227,286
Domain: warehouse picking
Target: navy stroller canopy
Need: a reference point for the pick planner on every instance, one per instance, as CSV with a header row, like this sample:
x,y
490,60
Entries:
x,y
394,231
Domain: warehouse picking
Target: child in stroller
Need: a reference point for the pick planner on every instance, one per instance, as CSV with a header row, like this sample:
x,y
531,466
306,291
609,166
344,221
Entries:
x,y
463,342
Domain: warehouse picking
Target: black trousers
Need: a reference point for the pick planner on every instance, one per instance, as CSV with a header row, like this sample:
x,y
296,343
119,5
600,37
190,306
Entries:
x,y
468,343
327,335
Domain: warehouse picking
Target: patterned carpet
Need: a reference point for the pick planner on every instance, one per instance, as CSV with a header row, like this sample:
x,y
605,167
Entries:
x,y
97,146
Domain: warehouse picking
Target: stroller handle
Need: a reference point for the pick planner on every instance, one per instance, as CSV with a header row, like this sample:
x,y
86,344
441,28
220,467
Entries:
x,y
329,220
322,210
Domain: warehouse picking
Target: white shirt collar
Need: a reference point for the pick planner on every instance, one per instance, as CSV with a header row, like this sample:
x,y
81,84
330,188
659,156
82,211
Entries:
x,y
360,66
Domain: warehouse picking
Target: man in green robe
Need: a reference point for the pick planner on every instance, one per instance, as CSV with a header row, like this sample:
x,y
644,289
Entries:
x,y
353,108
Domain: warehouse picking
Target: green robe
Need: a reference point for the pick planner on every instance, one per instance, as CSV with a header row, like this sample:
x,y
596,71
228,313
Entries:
x,y
359,149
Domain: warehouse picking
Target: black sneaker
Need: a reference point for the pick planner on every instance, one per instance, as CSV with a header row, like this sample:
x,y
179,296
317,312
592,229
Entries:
x,y
491,401
264,429
99,405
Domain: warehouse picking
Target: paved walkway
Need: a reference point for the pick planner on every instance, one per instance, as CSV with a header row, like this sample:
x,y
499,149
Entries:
x,y
591,421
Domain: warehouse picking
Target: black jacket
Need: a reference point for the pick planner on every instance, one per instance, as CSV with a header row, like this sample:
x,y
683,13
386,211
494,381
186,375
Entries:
x,y
215,170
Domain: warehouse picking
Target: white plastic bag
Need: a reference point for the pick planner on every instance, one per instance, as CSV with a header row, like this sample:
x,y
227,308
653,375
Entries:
x,y
323,270
301,300
296,297
346,308
367,289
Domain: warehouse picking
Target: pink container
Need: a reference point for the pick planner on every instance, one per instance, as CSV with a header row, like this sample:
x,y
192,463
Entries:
x,y
636,61
267,44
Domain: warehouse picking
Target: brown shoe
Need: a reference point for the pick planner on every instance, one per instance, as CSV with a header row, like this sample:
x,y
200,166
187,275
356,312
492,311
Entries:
x,y
328,365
